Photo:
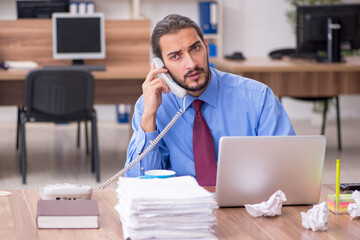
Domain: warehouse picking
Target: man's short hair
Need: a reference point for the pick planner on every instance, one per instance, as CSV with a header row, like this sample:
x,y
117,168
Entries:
x,y
172,23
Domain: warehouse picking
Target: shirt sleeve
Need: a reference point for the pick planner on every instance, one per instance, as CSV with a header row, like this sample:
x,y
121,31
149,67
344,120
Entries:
x,y
140,140
273,119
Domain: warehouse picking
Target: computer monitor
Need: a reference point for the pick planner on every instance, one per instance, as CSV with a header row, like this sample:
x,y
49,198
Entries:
x,y
329,28
40,8
78,37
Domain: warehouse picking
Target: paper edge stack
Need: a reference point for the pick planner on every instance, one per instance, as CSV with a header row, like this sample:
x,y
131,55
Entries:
x,y
171,208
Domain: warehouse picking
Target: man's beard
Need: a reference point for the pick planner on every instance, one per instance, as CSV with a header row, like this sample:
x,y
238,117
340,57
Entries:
x,y
197,88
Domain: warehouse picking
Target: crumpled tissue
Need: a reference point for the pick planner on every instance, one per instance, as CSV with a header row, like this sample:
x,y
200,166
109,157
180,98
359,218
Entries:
x,y
270,208
354,208
316,218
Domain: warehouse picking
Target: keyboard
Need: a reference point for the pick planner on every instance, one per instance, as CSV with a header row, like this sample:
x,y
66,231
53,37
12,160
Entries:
x,y
88,68
350,186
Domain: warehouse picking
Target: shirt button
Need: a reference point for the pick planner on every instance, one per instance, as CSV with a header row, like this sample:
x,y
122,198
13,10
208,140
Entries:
x,y
142,168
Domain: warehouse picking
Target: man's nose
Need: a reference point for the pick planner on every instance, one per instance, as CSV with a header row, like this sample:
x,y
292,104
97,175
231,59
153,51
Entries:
x,y
190,63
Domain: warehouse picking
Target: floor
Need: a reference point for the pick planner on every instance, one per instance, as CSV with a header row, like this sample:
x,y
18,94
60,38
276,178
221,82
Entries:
x,y
53,156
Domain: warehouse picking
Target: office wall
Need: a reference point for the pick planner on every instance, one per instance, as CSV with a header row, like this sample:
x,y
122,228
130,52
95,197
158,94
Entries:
x,y
253,27
243,30
253,35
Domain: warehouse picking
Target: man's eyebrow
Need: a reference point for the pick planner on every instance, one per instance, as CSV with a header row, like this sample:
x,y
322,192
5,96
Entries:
x,y
174,52
191,46
194,44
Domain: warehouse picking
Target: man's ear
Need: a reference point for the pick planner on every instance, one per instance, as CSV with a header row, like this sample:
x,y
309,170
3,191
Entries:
x,y
207,47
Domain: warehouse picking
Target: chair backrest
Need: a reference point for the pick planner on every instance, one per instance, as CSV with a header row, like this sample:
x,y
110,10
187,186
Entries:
x,y
58,92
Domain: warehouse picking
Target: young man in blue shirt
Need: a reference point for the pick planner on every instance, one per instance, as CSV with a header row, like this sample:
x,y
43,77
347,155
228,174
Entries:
x,y
233,105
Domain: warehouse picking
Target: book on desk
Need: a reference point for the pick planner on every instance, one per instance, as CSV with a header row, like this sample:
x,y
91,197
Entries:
x,y
67,214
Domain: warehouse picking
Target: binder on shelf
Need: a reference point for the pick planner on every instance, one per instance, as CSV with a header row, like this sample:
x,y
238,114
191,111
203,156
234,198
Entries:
x,y
123,113
208,12
73,7
82,7
212,49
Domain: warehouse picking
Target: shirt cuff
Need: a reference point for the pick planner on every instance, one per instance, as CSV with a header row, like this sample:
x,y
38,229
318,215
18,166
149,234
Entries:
x,y
143,139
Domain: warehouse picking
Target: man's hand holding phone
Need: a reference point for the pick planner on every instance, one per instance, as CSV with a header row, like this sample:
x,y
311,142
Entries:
x,y
152,88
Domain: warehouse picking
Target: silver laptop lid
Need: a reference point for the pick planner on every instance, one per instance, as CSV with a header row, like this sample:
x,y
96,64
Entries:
x,y
251,169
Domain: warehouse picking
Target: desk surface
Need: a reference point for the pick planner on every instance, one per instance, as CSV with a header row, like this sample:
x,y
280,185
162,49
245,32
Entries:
x,y
118,84
121,72
298,78
18,213
267,64
122,84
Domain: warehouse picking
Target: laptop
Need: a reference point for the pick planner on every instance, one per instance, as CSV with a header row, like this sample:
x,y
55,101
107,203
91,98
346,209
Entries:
x,y
251,169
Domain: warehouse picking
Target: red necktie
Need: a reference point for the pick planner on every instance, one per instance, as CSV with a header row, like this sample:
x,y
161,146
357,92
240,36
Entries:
x,y
203,147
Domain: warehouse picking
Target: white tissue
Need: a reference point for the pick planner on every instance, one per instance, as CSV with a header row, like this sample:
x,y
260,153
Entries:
x,y
316,218
354,208
270,208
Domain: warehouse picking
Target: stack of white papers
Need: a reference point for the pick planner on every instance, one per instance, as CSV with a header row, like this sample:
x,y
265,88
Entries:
x,y
19,65
170,208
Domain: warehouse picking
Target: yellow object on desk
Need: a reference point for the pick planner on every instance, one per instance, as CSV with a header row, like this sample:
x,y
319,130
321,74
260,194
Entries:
x,y
342,205
337,189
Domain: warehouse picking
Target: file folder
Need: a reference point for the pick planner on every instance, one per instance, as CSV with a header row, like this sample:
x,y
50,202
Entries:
x,y
208,17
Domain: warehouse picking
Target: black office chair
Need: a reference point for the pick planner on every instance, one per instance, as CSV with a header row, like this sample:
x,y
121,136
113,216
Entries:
x,y
77,133
278,54
325,100
59,96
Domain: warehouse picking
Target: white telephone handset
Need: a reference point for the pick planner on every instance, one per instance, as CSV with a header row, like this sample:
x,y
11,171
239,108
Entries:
x,y
174,88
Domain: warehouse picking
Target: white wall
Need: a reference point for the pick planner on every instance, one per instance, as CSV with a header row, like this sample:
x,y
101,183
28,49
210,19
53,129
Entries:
x,y
255,36
253,27
243,30
114,9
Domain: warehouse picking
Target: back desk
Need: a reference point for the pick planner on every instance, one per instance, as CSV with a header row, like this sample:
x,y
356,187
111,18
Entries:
x,y
127,58
121,83
118,84
297,78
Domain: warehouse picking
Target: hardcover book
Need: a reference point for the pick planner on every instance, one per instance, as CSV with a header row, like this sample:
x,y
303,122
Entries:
x,y
67,214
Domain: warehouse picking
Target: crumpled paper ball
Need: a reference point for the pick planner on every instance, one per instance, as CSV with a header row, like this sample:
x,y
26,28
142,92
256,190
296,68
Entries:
x,y
270,208
316,218
354,208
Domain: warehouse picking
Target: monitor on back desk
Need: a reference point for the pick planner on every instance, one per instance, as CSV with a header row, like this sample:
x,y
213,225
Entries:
x,y
251,169
79,37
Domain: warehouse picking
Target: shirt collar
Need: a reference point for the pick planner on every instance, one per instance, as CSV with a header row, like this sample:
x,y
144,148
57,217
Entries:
x,y
210,95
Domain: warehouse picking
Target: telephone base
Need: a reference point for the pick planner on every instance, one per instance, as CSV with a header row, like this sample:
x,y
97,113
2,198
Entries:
x,y
65,191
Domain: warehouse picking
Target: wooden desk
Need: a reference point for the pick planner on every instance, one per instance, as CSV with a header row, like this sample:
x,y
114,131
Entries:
x,y
18,213
118,84
127,58
122,83
297,78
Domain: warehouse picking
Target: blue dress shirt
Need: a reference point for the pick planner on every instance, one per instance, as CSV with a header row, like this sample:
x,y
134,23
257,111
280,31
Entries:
x,y
233,106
